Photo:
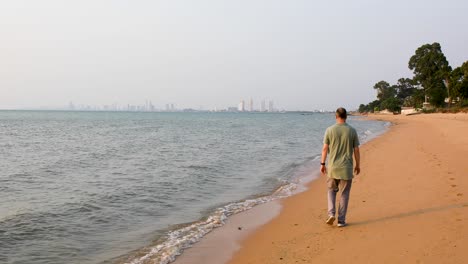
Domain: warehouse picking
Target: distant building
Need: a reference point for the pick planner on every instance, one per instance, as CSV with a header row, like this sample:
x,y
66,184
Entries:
x,y
241,107
263,106
270,106
251,105
170,108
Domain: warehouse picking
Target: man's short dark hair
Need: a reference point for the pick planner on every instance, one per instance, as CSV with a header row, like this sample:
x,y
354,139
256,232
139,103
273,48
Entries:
x,y
341,113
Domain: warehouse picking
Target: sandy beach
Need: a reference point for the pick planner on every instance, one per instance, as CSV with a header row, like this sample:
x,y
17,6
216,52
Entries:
x,y
408,205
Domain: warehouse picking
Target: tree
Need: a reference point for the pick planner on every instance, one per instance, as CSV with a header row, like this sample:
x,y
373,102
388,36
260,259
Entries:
x,y
431,69
416,100
392,104
408,93
370,107
384,90
464,81
405,87
362,108
459,82
374,106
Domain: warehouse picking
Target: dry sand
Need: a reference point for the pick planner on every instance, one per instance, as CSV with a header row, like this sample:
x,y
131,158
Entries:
x,y
408,205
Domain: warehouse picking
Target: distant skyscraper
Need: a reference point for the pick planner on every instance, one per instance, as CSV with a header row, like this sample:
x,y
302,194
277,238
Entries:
x,y
263,107
251,105
241,106
270,106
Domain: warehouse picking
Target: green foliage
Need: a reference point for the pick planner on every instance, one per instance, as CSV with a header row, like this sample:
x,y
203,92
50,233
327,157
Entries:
x,y
405,87
433,78
456,80
416,99
429,111
464,81
374,106
458,83
431,69
392,104
384,90
362,108
438,95
370,108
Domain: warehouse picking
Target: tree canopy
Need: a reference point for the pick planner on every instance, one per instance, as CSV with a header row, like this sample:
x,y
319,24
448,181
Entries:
x,y
384,90
433,79
431,69
459,82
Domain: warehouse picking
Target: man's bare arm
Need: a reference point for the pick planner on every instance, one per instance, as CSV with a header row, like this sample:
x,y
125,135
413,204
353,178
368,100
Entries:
x,y
357,157
323,168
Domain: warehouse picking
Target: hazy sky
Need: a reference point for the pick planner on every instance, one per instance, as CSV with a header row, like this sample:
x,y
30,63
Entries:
x,y
301,54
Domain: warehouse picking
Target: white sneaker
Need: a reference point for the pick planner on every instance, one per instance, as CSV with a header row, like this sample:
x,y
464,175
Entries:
x,y
330,220
341,225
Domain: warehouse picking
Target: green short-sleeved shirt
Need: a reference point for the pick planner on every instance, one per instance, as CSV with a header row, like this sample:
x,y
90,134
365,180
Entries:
x,y
341,140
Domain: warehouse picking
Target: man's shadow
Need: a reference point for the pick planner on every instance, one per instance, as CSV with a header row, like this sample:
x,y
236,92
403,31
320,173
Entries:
x,y
412,213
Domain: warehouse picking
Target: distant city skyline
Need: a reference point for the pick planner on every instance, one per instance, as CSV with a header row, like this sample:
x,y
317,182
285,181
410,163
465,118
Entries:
x,y
302,55
148,105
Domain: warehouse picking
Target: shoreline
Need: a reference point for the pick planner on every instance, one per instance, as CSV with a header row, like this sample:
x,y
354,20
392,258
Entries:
x,y
407,205
223,242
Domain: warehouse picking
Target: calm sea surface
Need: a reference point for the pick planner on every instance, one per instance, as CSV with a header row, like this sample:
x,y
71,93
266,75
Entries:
x,y
105,187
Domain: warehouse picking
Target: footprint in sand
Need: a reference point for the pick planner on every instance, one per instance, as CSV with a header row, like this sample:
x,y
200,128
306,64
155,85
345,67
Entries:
x,y
453,185
459,194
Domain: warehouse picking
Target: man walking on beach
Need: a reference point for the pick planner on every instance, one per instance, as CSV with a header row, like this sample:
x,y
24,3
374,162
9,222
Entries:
x,y
340,143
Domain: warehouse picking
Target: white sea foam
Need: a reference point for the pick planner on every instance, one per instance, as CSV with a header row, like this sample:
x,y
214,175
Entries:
x,y
178,240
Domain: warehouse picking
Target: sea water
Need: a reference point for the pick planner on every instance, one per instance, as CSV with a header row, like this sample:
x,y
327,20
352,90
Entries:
x,y
127,187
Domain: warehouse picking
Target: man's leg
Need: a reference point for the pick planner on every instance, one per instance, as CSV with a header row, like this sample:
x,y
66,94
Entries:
x,y
332,190
345,189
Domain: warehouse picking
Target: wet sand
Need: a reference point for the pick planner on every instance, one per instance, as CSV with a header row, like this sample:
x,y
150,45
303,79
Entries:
x,y
408,205
220,244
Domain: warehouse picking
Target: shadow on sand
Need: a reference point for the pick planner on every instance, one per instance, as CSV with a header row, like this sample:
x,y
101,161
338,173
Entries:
x,y
408,214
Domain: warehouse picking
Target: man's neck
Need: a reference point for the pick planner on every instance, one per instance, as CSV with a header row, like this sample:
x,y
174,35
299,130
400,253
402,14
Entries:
x,y
340,121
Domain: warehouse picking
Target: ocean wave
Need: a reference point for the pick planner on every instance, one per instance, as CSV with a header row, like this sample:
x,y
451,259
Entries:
x,y
371,133
178,240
